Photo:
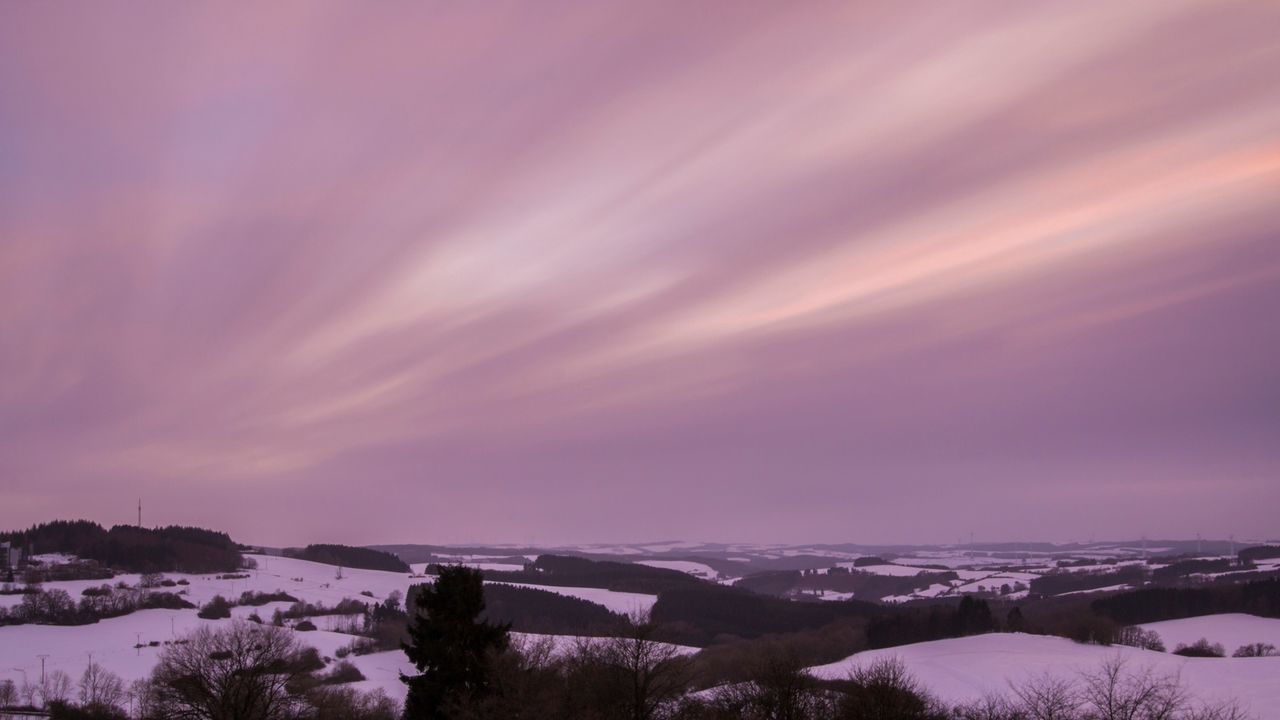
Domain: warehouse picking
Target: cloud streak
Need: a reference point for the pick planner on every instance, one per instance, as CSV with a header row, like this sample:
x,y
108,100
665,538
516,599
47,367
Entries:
x,y
622,272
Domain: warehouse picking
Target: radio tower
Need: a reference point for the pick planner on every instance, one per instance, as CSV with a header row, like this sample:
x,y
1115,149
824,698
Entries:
x,y
139,512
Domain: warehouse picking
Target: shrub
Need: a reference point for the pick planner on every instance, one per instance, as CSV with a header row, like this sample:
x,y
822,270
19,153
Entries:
x,y
1255,650
342,672
1134,636
163,601
258,599
1200,648
305,626
885,689
241,665
216,609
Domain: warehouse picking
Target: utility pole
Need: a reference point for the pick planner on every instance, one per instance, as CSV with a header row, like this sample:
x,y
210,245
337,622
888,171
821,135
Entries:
x,y
42,657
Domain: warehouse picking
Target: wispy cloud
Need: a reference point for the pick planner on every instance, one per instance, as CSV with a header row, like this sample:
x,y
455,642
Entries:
x,y
638,271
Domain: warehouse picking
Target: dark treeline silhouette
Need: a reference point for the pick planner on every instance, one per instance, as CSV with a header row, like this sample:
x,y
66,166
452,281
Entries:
x,y
1259,597
1259,552
911,625
1064,581
566,571
350,557
701,613
540,611
1184,568
861,583
133,549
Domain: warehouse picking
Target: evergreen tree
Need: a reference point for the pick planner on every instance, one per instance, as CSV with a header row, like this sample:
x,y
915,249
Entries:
x,y
449,644
1015,622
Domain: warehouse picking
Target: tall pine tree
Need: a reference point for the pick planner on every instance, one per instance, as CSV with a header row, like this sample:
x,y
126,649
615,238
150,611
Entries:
x,y
449,644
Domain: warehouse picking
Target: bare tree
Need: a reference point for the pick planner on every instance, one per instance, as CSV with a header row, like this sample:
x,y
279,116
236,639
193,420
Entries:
x,y
141,697
101,688
779,688
633,677
55,687
241,672
8,693
29,691
990,707
1048,698
885,689
1258,649
1113,693
652,674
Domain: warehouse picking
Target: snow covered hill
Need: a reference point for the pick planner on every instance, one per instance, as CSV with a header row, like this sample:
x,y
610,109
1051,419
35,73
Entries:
x,y
966,669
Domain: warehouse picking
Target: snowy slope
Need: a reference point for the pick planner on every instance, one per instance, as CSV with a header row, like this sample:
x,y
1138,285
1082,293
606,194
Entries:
x,y
112,641
696,569
965,669
1232,630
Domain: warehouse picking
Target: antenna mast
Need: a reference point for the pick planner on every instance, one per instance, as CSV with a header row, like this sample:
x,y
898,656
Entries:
x,y
139,512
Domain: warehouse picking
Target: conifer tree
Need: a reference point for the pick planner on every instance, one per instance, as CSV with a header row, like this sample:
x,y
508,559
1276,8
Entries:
x,y
449,644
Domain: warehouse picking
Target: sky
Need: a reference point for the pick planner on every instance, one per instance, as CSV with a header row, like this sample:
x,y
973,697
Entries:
x,y
614,272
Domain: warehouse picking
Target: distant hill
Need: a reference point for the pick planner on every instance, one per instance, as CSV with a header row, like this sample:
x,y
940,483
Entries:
x,y
541,611
702,613
133,549
350,557
564,571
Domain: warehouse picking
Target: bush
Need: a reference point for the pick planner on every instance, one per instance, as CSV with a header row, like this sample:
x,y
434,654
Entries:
x,y
305,626
1255,650
49,607
884,689
1134,636
342,672
1200,648
258,599
216,609
249,667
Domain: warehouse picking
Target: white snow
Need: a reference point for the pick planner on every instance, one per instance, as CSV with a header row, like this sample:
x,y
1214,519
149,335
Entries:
x,y
695,569
1231,630
112,641
1108,588
619,602
966,669
894,570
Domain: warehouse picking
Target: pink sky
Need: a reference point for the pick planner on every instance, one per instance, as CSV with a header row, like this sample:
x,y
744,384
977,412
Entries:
x,y
452,272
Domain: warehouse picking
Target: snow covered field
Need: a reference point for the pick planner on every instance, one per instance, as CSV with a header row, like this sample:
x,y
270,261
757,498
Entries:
x,y
966,669
111,642
619,602
696,569
956,670
1231,630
